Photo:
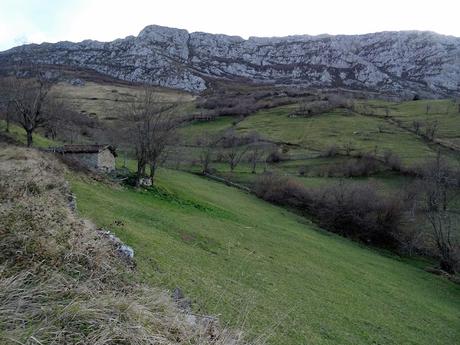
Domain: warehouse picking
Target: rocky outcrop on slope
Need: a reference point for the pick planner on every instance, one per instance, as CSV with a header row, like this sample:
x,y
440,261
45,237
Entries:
x,y
393,62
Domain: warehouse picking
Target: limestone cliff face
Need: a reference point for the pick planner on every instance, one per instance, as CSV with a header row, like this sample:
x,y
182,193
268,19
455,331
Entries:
x,y
395,62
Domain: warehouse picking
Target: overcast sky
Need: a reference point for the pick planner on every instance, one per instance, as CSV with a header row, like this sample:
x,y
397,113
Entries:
x,y
36,21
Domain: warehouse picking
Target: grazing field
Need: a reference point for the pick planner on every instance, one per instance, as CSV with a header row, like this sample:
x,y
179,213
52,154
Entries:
x,y
346,129
339,128
269,271
108,102
418,116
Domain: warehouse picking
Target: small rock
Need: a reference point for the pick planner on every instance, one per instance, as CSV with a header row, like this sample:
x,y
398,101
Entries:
x,y
124,250
72,198
182,302
177,294
77,82
145,182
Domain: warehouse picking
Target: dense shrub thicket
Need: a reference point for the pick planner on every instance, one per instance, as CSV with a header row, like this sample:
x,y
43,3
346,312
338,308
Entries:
x,y
419,218
355,211
237,102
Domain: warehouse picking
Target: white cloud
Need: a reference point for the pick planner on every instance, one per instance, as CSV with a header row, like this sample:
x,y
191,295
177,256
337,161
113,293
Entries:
x,y
76,20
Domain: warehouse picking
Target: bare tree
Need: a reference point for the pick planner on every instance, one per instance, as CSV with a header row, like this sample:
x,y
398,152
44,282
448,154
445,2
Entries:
x,y
207,143
28,99
416,126
59,118
431,130
387,111
235,149
348,148
428,108
257,150
153,125
439,180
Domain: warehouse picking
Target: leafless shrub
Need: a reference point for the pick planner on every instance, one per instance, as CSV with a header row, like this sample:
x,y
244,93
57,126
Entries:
x,y
275,156
355,211
416,125
392,160
207,143
257,151
365,165
431,129
280,190
235,148
303,170
331,151
348,148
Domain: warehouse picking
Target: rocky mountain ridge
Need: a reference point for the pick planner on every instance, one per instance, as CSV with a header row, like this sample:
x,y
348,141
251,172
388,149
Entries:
x,y
406,62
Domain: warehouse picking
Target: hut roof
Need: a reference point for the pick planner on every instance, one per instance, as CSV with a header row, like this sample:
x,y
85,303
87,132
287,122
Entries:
x,y
84,149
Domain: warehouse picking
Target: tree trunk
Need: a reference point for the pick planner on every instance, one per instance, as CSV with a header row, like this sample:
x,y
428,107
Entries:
x,y
29,138
7,129
447,265
139,173
152,171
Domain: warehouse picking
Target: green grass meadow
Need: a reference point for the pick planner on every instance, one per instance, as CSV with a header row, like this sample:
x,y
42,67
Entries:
x,y
268,271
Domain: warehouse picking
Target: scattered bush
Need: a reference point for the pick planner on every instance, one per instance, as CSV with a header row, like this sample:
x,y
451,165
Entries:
x,y
365,165
331,151
275,157
392,160
303,171
280,190
359,212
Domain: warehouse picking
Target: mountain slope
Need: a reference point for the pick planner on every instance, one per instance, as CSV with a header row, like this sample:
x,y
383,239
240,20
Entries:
x,y
264,267
393,62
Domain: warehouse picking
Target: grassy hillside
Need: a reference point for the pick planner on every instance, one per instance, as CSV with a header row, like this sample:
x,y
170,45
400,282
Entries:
x,y
445,112
63,282
270,271
108,102
261,267
340,128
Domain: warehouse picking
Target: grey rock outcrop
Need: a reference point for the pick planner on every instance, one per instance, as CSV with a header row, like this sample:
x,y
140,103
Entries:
x,y
393,62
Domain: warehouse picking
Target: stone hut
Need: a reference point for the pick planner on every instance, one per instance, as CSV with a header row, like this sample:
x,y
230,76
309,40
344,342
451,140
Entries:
x,y
96,157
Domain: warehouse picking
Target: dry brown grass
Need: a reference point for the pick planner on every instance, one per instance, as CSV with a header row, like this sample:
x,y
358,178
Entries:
x,y
63,283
